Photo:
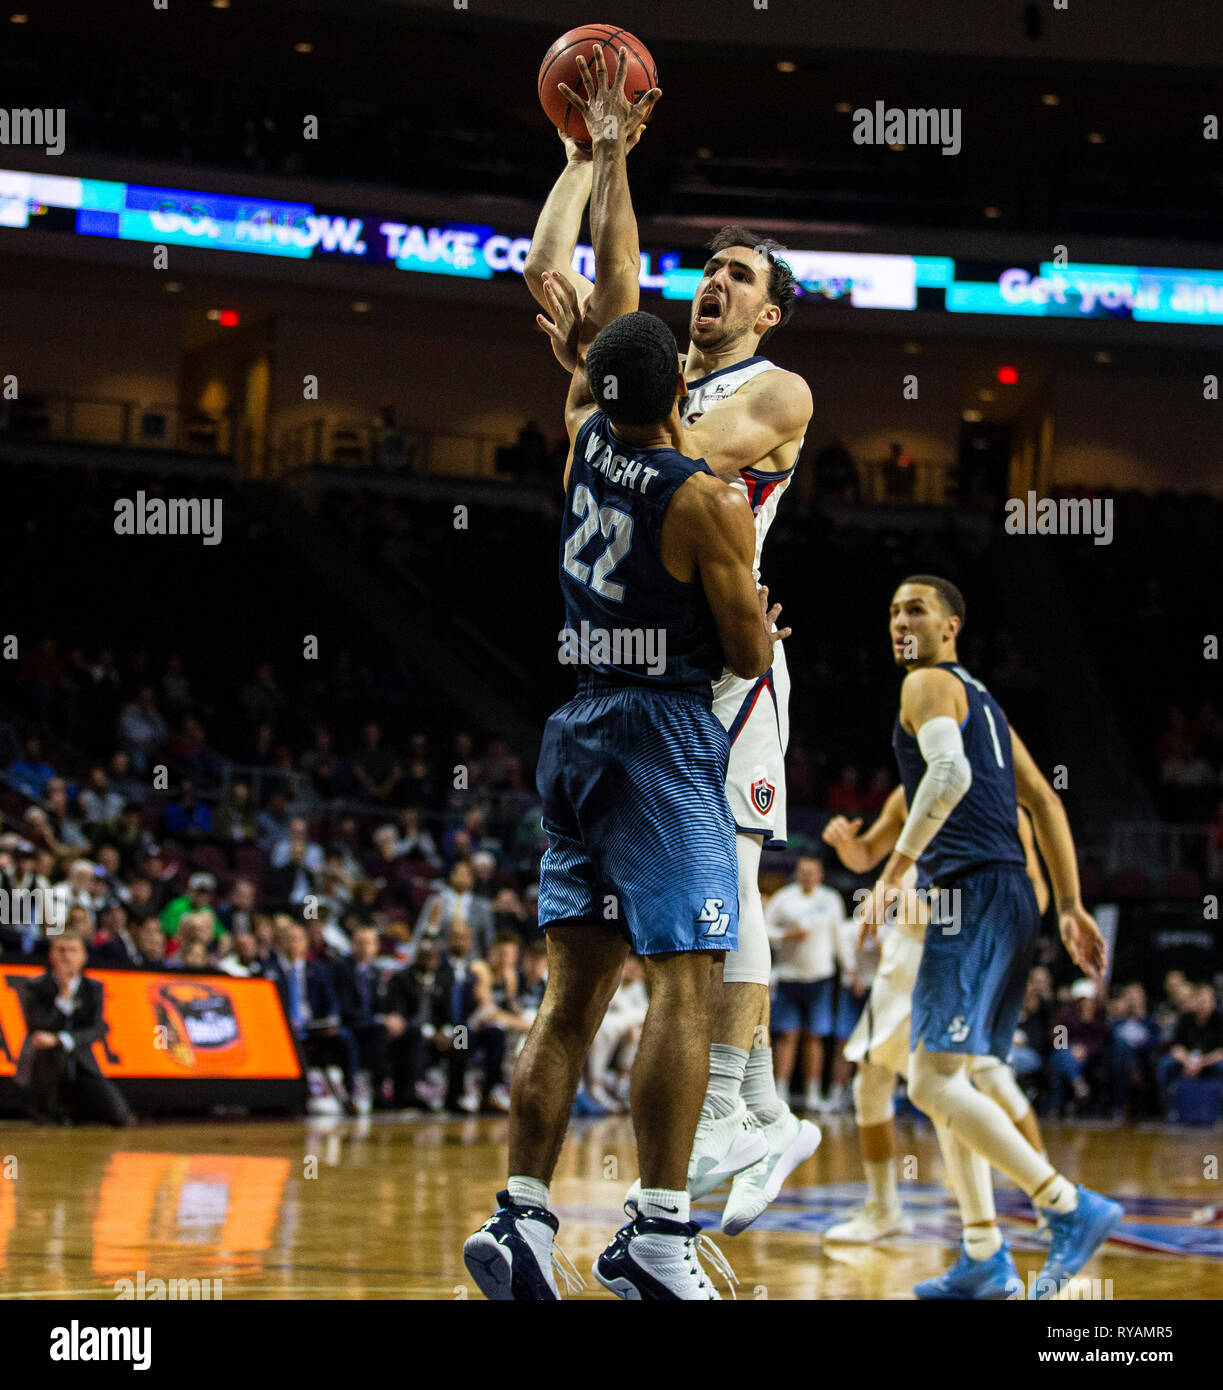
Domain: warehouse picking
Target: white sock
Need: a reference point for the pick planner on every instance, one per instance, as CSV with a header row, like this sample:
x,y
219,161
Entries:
x,y
727,1066
759,1090
980,1242
881,1182
783,1090
528,1192
1060,1195
664,1204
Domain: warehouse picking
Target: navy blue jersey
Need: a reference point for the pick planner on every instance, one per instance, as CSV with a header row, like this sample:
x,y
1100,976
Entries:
x,y
984,826
627,619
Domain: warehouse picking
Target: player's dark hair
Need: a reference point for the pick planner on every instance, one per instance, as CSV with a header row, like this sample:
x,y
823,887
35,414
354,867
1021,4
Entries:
x,y
633,368
781,288
949,596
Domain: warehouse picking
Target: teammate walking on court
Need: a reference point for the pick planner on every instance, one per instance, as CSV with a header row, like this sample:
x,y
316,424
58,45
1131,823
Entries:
x,y
963,769
631,771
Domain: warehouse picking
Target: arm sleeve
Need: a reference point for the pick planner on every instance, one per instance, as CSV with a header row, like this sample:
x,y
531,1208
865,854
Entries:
x,y
947,777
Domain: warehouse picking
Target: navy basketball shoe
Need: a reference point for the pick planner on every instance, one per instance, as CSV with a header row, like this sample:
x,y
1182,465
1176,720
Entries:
x,y
511,1256
652,1259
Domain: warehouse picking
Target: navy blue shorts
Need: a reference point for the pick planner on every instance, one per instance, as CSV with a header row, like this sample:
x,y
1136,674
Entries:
x,y
639,830
849,1010
803,1006
971,982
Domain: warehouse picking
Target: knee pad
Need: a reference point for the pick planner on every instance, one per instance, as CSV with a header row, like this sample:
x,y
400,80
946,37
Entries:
x,y
996,1080
751,963
873,1088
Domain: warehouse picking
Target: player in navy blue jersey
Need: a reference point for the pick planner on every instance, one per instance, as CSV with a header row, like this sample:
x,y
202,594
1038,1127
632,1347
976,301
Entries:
x,y
656,570
963,770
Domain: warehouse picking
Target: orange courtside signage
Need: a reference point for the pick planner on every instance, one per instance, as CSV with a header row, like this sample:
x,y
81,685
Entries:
x,y
171,1024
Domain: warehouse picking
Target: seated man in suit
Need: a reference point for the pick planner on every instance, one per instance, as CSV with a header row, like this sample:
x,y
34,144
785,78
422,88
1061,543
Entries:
x,y
421,1021
63,1019
364,1004
314,1011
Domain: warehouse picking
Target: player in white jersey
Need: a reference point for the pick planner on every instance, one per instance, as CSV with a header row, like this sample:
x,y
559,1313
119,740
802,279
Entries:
x,y
746,418
880,1043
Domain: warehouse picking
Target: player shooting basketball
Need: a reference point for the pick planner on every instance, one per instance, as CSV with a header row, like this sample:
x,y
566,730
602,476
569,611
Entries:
x,y
746,418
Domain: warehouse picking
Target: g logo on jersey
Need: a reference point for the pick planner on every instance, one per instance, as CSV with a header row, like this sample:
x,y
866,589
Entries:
x,y
718,921
763,792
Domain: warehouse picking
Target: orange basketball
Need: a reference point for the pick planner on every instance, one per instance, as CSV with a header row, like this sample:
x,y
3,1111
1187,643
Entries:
x,y
560,65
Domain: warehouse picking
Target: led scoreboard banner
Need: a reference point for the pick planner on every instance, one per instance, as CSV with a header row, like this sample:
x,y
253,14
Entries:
x,y
833,279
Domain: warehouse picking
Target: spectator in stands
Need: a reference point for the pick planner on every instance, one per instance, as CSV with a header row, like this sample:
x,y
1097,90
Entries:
x,y
130,837
423,1004
1177,994
114,944
1080,1042
234,822
298,835
123,783
326,771
364,999
804,926
415,841
534,976
292,882
1034,1030
609,1063
1135,1046
457,903
201,890
273,821
193,955
237,913
844,796
186,818
26,927
31,772
314,1011
64,1018
376,769
1214,846
1197,1045
345,849
502,769
150,943
189,748
493,1016
242,959
262,698
418,786
474,836
100,804
143,733
175,691
80,889
64,826
531,451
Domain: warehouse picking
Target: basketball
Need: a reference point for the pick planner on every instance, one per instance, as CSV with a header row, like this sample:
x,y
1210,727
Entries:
x,y
560,65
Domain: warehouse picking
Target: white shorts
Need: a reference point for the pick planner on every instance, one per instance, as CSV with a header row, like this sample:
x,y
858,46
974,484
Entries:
x,y
882,1033
756,715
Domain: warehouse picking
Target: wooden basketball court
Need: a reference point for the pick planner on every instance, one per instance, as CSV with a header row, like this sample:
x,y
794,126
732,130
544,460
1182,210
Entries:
x,y
379,1208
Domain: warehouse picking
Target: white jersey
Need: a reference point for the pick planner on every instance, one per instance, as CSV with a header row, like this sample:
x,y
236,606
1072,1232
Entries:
x,y
820,914
762,488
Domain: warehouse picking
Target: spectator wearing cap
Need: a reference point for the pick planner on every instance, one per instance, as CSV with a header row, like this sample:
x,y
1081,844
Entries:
x,y
201,889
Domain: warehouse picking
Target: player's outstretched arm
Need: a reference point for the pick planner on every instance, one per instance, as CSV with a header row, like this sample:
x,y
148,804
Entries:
x,y
560,222
610,118
721,540
771,410
1077,926
860,853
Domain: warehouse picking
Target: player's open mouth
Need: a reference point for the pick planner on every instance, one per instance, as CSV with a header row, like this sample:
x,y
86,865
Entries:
x,y
709,310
